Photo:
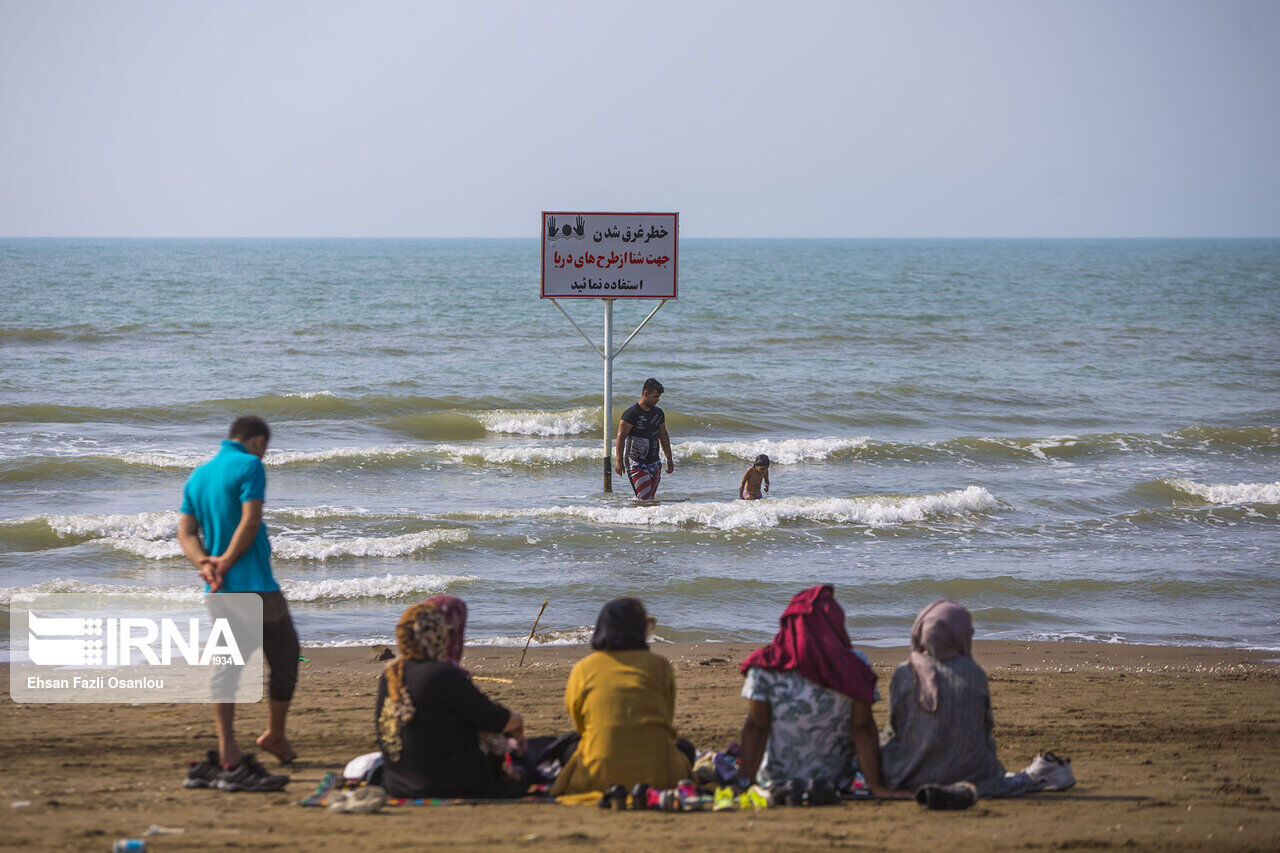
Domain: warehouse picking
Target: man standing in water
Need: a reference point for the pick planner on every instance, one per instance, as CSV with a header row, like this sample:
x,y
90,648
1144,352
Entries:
x,y
223,499
640,430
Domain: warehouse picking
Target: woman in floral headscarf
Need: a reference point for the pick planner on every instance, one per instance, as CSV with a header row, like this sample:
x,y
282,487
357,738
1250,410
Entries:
x,y
429,716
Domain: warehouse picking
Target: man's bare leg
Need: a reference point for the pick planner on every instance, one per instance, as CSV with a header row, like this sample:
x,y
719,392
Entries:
x,y
224,716
273,739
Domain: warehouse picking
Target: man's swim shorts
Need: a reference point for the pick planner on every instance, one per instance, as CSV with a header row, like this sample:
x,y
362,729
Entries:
x,y
645,479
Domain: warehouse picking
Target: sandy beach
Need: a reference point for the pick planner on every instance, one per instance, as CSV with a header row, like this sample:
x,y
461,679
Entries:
x,y
1173,748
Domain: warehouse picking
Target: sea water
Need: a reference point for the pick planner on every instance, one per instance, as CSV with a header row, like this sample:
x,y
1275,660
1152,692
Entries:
x,y
1074,438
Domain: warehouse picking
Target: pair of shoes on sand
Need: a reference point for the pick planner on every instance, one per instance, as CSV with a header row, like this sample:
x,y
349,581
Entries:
x,y
1047,772
363,800
248,775
684,797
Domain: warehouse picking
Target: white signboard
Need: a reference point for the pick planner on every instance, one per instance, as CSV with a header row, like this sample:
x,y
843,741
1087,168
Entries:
x,y
609,255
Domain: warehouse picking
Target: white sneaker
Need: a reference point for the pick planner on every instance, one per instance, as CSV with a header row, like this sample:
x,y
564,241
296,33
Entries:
x,y
362,800
1048,772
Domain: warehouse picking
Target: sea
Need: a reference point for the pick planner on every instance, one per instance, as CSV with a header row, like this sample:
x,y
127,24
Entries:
x,y
1077,439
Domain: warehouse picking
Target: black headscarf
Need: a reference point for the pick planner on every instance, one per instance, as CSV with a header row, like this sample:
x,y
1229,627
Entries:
x,y
620,626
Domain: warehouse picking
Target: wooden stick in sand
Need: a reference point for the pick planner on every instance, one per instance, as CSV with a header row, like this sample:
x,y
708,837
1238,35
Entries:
x,y
534,628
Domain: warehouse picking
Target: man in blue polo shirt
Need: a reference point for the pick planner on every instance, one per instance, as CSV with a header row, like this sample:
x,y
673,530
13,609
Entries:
x,y
223,500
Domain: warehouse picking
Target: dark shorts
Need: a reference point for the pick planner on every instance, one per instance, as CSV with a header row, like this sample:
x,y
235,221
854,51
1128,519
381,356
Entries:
x,y
280,648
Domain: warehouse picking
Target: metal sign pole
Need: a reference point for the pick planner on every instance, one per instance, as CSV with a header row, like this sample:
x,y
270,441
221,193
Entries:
x,y
608,354
608,394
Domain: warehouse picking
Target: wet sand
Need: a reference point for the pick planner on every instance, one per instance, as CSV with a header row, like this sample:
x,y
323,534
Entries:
x,y
1173,748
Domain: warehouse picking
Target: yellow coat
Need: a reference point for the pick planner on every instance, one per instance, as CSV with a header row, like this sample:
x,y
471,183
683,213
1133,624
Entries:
x,y
623,704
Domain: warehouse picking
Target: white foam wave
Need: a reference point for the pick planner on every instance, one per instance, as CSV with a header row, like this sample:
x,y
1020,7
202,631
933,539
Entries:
x,y
1229,494
570,637
376,586
311,513
579,636
519,454
307,395
785,452
330,589
161,459
1038,447
150,549
293,457
318,548
570,422
353,643
551,424
142,525
873,511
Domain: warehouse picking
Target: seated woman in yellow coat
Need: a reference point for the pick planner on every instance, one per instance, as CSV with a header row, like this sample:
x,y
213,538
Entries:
x,y
622,700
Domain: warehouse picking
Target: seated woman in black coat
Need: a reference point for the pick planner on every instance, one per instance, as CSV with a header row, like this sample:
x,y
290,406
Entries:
x,y
430,716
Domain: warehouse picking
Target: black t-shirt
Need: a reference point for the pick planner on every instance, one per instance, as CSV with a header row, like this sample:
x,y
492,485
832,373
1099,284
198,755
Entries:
x,y
441,756
642,442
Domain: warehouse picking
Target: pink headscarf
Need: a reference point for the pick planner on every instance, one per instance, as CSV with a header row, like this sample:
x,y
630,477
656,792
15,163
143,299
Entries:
x,y
942,631
813,642
454,611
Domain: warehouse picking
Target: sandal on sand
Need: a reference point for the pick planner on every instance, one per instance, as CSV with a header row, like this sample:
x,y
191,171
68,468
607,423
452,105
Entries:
x,y
957,795
363,800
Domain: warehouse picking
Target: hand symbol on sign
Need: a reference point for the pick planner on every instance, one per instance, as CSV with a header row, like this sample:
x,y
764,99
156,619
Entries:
x,y
582,227
551,227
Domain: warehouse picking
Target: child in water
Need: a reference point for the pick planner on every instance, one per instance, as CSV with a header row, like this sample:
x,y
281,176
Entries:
x,y
756,481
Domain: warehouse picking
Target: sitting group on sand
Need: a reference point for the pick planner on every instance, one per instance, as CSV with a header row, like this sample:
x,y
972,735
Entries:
x,y
808,733
808,726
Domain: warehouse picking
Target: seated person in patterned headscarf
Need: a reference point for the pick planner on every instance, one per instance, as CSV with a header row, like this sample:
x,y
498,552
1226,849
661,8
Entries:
x,y
940,711
622,700
430,715
809,698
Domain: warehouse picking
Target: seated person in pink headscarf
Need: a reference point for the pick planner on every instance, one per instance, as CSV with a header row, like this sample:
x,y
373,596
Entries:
x,y
809,698
940,711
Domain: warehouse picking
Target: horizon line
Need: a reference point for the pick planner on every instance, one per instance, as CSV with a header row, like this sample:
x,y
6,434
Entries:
x,y
699,237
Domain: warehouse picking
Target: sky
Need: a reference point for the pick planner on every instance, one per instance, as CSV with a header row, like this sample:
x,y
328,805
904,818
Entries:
x,y
751,119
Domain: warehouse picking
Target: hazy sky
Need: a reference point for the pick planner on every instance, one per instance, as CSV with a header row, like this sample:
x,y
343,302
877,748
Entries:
x,y
844,119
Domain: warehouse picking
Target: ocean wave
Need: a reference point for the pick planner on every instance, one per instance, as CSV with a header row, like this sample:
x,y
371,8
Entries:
x,y
152,535
142,525
531,455
579,636
567,637
331,589
383,454
437,426
312,548
1226,494
787,451
82,332
324,548
284,406
571,422
71,462
871,510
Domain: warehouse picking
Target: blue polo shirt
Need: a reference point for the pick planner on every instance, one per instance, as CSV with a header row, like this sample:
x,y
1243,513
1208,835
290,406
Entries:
x,y
213,494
